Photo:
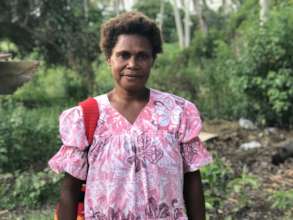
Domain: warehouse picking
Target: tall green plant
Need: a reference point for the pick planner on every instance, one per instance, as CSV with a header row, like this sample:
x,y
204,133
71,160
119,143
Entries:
x,y
28,137
61,31
265,68
54,85
29,189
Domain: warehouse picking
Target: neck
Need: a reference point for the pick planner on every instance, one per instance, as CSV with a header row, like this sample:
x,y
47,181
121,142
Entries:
x,y
128,96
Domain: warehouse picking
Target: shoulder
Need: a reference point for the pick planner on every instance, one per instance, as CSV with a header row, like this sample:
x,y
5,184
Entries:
x,y
172,101
72,114
101,96
75,113
102,100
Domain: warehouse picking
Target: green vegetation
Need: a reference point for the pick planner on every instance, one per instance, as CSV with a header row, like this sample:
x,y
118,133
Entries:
x,y
28,189
282,199
237,69
265,68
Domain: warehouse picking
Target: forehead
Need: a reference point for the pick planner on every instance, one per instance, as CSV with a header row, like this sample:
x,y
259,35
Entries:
x,y
132,43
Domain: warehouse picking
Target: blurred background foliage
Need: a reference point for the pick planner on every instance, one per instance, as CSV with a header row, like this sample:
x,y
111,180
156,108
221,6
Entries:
x,y
237,68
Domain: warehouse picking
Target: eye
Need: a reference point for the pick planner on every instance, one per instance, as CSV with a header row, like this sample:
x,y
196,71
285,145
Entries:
x,y
143,56
123,55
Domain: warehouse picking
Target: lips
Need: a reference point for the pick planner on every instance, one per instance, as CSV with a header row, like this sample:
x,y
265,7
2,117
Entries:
x,y
132,75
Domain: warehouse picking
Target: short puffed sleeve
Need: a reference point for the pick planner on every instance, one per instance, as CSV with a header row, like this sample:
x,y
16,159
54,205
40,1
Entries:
x,y
72,156
193,151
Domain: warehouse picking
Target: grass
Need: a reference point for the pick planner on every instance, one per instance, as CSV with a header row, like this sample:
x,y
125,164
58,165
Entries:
x,y
42,214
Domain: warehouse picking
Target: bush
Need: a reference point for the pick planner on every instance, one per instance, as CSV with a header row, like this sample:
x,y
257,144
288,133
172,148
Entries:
x,y
282,200
52,86
172,73
265,69
249,76
215,178
28,137
29,189
103,80
239,187
218,97
203,47
208,67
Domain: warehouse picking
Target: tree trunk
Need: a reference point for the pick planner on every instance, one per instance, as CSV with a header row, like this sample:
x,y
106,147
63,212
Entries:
x,y
115,4
225,7
230,5
203,26
14,13
264,11
161,15
204,3
187,23
122,5
86,9
178,23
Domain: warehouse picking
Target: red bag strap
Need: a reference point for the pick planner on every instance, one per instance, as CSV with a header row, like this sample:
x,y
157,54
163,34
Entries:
x,y
90,111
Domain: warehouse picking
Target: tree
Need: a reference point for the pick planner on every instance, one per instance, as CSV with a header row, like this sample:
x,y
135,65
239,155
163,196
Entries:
x,y
229,5
178,23
187,23
264,11
183,27
203,26
63,32
118,5
161,11
160,16
264,67
184,30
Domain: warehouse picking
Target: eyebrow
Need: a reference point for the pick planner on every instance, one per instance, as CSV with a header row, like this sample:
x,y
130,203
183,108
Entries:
x,y
127,51
122,51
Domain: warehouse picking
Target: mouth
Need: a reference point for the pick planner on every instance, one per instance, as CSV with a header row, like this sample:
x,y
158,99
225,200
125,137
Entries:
x,y
132,75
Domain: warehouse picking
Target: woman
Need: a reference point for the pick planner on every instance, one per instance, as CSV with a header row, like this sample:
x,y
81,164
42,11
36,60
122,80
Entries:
x,y
145,158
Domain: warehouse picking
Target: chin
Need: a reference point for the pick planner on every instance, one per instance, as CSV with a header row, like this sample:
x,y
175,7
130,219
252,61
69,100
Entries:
x,y
137,86
134,88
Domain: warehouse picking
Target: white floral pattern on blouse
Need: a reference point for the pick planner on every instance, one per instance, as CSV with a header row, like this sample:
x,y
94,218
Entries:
x,y
134,171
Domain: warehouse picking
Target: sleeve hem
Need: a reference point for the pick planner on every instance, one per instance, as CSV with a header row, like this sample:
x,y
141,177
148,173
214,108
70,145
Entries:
x,y
195,167
59,170
70,160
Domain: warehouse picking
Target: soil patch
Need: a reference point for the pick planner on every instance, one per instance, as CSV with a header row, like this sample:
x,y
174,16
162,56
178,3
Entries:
x,y
257,162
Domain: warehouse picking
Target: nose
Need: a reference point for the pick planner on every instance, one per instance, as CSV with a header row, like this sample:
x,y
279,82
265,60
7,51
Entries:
x,y
132,62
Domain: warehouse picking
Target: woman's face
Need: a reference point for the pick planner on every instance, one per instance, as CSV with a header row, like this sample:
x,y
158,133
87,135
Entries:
x,y
131,62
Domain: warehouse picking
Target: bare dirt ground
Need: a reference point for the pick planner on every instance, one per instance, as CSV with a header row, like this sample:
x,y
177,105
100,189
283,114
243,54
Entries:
x,y
257,162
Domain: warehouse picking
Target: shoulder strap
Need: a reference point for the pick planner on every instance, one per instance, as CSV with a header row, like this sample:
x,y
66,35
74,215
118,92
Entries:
x,y
90,111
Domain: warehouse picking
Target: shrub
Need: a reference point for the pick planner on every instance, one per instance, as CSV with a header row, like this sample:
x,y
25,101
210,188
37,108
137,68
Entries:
x,y
265,68
52,86
218,96
28,137
215,178
29,189
282,200
239,187
210,62
172,73
103,80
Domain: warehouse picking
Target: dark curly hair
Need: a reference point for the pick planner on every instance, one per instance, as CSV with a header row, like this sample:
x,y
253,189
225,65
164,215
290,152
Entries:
x,y
130,23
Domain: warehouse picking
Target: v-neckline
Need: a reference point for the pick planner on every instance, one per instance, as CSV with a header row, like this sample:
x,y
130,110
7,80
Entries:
x,y
139,114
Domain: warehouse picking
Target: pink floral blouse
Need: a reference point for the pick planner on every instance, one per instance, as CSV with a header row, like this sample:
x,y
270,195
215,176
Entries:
x,y
134,171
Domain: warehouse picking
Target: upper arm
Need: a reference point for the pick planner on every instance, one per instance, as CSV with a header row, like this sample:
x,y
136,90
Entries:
x,y
71,183
192,178
194,196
